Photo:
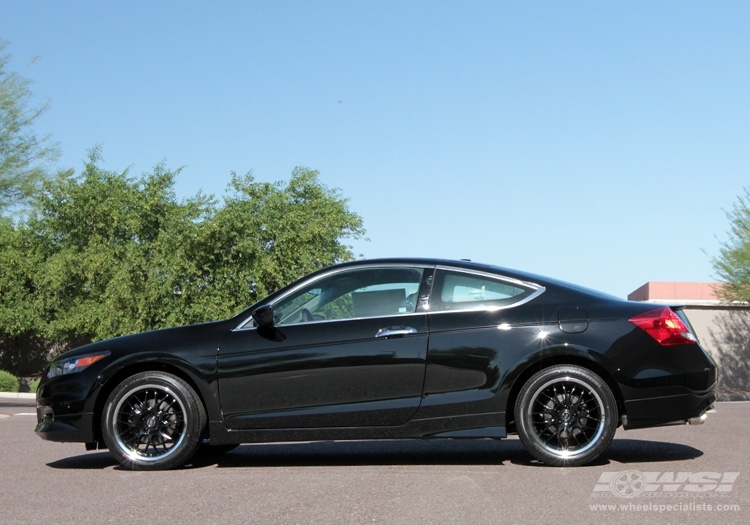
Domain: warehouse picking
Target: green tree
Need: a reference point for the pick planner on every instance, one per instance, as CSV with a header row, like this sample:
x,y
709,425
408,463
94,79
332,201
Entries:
x,y
17,313
109,251
22,351
732,266
23,155
102,254
267,235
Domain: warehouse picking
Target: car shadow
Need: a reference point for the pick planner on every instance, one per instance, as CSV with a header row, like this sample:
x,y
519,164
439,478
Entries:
x,y
88,461
396,452
363,453
635,451
640,451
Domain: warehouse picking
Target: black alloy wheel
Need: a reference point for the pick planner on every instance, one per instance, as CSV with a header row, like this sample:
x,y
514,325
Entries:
x,y
153,421
566,415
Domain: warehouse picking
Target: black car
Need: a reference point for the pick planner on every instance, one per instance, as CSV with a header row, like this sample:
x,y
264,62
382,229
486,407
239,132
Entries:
x,y
388,349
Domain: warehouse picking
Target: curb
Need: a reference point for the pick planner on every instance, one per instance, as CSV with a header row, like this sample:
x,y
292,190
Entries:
x,y
15,395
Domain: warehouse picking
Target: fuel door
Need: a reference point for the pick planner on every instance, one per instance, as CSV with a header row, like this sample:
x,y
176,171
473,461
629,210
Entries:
x,y
573,320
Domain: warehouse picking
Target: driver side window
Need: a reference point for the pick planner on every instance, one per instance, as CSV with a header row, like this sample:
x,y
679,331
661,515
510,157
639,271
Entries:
x,y
352,294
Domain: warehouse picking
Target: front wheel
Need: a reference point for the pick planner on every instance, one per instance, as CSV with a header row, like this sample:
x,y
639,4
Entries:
x,y
153,421
566,415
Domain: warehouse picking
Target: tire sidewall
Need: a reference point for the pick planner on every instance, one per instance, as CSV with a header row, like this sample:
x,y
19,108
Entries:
x,y
523,416
194,421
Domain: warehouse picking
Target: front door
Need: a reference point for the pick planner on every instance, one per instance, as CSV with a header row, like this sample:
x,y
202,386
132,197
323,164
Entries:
x,y
348,349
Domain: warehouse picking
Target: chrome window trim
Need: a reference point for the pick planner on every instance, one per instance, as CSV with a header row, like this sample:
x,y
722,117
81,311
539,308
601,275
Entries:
x,y
324,321
241,326
537,290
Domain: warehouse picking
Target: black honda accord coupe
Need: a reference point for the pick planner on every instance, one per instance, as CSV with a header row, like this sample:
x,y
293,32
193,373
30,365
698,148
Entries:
x,y
388,349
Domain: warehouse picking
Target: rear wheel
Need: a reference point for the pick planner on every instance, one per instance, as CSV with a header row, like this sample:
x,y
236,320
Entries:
x,y
566,415
153,421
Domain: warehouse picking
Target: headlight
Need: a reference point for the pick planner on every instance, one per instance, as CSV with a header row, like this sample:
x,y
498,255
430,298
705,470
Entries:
x,y
73,365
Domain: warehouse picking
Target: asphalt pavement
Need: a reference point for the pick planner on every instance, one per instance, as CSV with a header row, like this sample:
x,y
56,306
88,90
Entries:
x,y
678,474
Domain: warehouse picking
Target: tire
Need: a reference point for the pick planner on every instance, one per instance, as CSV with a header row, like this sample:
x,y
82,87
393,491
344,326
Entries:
x,y
153,421
566,415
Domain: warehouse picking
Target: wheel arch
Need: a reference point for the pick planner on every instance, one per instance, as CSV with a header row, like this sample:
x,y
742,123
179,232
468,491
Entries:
x,y
112,381
545,362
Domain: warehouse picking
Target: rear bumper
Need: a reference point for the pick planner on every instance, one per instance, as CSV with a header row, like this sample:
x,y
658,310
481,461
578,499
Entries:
x,y
669,410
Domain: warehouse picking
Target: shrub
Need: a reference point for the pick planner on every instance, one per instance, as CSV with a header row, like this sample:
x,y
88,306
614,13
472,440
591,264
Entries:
x,y
34,385
8,382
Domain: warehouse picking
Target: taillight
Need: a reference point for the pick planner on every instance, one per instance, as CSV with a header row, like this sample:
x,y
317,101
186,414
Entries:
x,y
664,325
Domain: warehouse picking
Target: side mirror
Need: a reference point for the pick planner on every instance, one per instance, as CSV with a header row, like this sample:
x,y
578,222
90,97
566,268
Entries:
x,y
263,316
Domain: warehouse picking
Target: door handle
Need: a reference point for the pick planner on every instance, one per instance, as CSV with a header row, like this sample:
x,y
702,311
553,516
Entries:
x,y
396,331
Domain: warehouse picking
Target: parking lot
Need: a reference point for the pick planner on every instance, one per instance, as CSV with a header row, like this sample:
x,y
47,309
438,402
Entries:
x,y
665,475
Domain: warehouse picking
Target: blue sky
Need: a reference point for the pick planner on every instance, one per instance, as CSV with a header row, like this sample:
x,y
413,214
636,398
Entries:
x,y
591,142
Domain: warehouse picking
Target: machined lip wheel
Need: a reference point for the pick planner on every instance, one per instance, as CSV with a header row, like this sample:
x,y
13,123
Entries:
x,y
153,421
149,422
567,416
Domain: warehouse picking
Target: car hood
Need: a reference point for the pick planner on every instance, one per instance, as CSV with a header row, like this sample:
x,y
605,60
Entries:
x,y
205,336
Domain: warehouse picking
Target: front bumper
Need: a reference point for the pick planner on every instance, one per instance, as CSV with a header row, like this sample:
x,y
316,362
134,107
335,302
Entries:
x,y
70,428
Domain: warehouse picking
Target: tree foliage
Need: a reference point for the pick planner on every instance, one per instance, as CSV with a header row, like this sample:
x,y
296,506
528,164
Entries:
x,y
21,348
103,254
23,155
733,263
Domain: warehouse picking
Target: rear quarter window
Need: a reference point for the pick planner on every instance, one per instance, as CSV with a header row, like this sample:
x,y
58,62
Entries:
x,y
456,290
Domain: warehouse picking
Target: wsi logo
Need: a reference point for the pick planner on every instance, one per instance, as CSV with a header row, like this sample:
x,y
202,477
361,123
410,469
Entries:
x,y
632,483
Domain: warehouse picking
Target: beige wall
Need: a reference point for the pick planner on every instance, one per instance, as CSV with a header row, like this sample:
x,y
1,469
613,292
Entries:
x,y
724,331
